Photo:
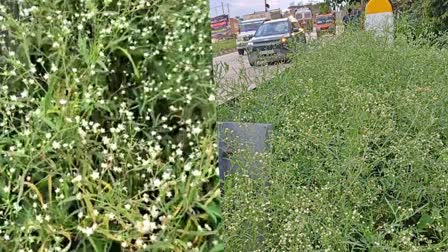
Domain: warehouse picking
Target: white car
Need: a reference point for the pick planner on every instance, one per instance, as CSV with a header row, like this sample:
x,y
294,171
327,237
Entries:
x,y
247,30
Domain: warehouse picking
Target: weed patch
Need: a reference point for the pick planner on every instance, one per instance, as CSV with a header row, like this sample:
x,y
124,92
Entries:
x,y
359,151
106,127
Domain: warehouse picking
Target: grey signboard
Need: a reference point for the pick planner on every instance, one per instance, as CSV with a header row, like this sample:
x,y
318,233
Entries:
x,y
252,137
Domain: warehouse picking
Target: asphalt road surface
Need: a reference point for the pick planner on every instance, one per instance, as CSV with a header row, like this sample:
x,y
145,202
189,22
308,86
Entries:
x,y
234,75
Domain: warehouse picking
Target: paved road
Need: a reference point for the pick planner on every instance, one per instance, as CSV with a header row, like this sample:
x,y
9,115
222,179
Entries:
x,y
234,75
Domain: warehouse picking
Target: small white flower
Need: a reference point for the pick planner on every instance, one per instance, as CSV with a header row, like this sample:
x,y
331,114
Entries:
x,y
187,167
196,173
27,132
39,218
77,179
88,231
139,242
56,45
212,97
24,94
196,130
56,145
113,146
153,238
157,182
95,175
62,102
6,189
127,206
145,226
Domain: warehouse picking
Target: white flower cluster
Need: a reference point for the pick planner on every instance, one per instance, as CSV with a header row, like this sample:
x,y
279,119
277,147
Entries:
x,y
103,119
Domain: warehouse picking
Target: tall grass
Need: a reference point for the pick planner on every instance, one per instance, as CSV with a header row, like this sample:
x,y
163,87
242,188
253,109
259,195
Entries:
x,y
106,137
359,152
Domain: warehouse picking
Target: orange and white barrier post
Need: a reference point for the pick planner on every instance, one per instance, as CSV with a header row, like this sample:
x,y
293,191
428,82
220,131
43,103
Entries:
x,y
380,18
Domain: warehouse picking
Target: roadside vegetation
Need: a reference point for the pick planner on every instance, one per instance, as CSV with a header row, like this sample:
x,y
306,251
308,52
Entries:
x,y
359,155
223,46
106,127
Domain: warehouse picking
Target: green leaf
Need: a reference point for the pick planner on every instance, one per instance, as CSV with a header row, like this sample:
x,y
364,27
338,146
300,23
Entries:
x,y
218,248
213,210
136,72
424,221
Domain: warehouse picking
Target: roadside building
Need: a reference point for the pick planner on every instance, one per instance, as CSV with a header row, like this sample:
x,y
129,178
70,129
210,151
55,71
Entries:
x,y
234,24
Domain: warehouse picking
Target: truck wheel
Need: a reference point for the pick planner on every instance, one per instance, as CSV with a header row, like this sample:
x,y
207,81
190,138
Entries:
x,y
241,51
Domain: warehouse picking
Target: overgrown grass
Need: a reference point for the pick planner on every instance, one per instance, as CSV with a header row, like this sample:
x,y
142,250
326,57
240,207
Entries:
x,y
223,45
106,127
359,152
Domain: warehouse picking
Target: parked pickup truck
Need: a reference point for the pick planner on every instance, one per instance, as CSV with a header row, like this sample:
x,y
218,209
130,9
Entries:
x,y
273,39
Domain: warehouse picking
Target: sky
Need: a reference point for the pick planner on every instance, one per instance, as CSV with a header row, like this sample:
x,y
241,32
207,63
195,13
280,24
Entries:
x,y
242,7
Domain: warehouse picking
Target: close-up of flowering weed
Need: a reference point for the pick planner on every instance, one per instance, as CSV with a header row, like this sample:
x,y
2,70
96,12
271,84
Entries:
x,y
107,139
358,158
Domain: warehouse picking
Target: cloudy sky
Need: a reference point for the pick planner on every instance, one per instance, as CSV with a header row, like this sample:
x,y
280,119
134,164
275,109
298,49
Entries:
x,y
242,7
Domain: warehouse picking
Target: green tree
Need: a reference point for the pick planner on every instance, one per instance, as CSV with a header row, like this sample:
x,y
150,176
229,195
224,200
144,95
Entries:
x,y
338,3
437,13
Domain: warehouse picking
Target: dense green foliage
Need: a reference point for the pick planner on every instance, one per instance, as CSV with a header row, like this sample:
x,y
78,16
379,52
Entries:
x,y
427,18
359,152
106,116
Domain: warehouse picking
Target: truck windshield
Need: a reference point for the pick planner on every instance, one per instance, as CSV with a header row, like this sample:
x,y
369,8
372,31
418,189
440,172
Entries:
x,y
303,15
324,20
250,27
276,28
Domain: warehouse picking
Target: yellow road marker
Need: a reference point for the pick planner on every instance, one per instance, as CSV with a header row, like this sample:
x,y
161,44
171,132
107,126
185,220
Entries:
x,y
380,18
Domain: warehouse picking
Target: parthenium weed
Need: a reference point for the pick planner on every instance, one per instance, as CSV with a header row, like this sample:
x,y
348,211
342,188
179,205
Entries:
x,y
359,149
106,138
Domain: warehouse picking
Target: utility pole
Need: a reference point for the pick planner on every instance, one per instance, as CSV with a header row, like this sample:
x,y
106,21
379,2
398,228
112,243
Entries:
x,y
228,9
265,6
222,4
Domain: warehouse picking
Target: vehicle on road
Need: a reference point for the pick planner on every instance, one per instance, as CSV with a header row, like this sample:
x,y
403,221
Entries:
x,y
272,39
247,30
325,24
305,18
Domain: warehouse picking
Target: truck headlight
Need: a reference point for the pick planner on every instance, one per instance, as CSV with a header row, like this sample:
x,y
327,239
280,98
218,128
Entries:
x,y
284,40
249,46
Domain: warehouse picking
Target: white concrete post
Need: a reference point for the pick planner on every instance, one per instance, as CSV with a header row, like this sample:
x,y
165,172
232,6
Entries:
x,y
380,19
